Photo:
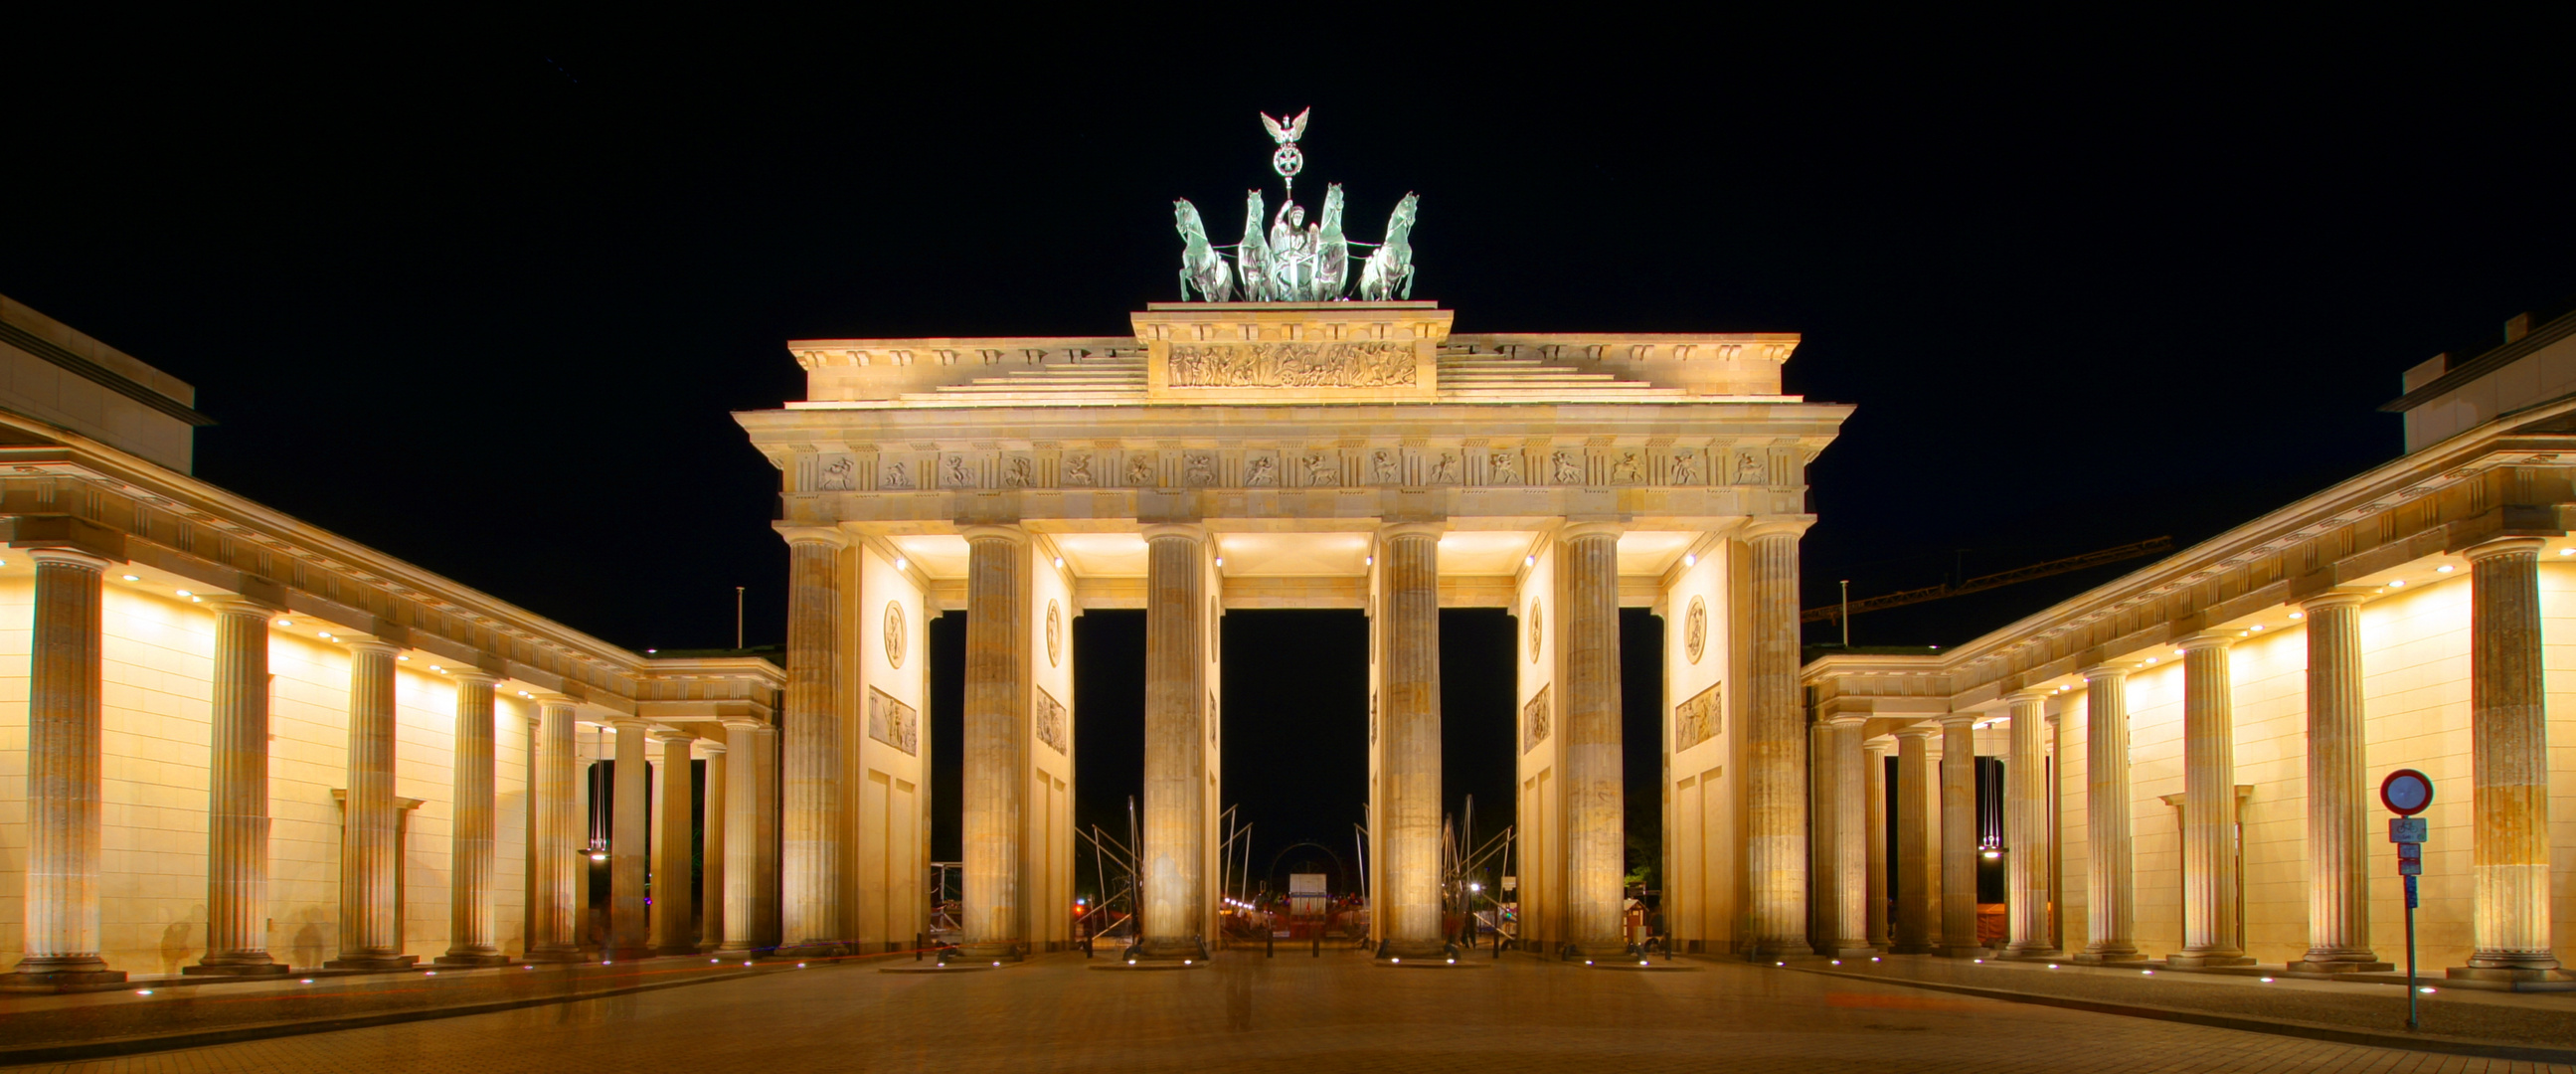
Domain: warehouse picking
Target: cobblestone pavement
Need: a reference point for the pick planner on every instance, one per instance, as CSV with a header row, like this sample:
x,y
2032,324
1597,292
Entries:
x,y
1292,1014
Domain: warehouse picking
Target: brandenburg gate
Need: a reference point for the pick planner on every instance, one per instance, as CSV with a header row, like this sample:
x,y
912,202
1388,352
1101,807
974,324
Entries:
x,y
1292,451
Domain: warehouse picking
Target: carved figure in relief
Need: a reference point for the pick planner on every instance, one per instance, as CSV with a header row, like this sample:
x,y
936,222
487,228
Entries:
x,y
1504,468
1077,470
1569,468
1260,472
1748,469
1341,364
1202,470
1626,470
1020,474
1445,472
1387,471
1685,469
958,478
837,475
1319,470
1140,471
1695,629
896,477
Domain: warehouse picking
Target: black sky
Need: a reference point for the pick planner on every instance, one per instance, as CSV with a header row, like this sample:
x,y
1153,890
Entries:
x,y
483,295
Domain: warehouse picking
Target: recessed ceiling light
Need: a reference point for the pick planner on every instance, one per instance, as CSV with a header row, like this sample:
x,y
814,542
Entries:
x,y
185,593
1529,561
2567,551
2298,615
2151,660
1690,559
134,577
286,622
1059,562
405,656
900,563
2443,569
2258,626
2394,583
1220,561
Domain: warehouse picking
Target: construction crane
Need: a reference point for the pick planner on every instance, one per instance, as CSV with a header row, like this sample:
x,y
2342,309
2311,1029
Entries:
x,y
2151,546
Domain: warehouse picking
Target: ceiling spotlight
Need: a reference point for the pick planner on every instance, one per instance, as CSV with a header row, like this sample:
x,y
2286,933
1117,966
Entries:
x,y
2396,582
1690,559
286,622
405,656
185,593
2258,627
2443,569
1059,562
1220,561
133,577
899,563
1529,561
1369,562
2567,551
2151,661
2298,615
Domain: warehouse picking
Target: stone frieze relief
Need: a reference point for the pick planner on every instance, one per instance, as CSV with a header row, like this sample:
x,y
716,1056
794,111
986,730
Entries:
x,y
1342,364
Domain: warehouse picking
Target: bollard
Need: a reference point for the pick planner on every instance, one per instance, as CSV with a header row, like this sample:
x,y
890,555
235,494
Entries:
x,y
916,946
1319,945
1270,946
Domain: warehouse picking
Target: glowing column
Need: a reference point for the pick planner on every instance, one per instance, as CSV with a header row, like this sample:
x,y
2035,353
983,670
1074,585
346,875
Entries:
x,y
63,782
996,781
370,936
1915,911
558,836
810,902
2110,922
1175,861
1775,745
2509,730
1959,836
1408,832
2209,924
2339,792
1595,813
469,930
674,847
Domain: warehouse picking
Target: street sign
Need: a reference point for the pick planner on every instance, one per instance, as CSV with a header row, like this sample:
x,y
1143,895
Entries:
x,y
1511,883
2406,792
2403,830
2410,859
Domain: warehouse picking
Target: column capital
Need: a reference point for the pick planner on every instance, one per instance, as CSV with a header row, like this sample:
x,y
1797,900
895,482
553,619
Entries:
x,y
371,645
66,557
1193,532
2335,598
1776,526
1924,731
2113,669
1393,530
743,723
1960,720
831,535
709,746
1013,534
243,606
1876,746
2207,639
2503,546
474,676
2029,695
1578,530
1849,720
557,700
622,723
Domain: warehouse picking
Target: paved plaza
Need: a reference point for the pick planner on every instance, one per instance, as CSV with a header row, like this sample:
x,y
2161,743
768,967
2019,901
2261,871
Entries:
x,y
1300,1014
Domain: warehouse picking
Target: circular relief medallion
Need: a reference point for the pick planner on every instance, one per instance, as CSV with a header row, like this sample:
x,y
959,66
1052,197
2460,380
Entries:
x,y
1695,629
1055,634
894,636
1538,630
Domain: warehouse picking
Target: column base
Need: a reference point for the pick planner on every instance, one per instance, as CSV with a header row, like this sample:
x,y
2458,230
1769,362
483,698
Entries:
x,y
2188,961
471,958
2509,975
555,955
2037,954
1914,949
1014,951
1862,953
669,950
264,968
52,975
2341,966
372,962
1962,952
2107,958
1776,950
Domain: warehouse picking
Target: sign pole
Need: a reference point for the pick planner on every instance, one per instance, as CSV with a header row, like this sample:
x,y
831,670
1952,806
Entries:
x,y
2407,792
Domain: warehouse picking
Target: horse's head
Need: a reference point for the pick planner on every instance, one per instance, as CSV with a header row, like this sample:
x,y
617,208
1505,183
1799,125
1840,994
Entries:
x,y
1333,206
1185,216
1400,226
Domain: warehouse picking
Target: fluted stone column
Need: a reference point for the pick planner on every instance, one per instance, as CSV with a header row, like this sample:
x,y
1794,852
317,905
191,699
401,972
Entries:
x,y
996,763
555,935
674,884
1873,760
1915,911
1176,819
1408,829
767,929
237,820
2509,733
1959,836
1845,822
1596,840
2339,792
811,846
713,851
1775,742
1932,839
742,835
2110,888
370,845
469,931
2210,930
2026,801
61,937
630,824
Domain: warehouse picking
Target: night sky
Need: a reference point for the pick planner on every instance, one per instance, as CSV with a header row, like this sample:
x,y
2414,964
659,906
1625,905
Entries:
x,y
484,296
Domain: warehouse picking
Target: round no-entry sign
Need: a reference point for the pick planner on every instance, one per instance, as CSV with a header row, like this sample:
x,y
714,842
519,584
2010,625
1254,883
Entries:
x,y
2406,792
